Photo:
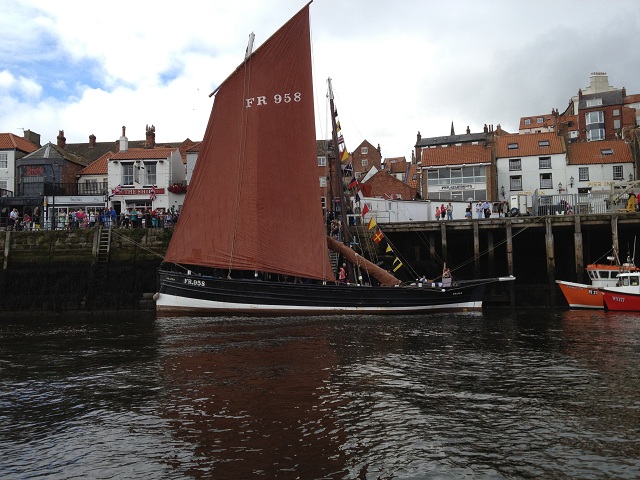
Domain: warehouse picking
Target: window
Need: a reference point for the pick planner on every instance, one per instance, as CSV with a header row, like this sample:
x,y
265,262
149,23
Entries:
x,y
322,161
323,202
127,174
544,162
515,183
527,121
512,146
616,124
364,150
616,113
595,134
4,184
594,117
606,151
358,175
3,160
617,172
91,186
150,173
546,181
594,102
540,120
583,174
543,143
515,164
323,182
365,162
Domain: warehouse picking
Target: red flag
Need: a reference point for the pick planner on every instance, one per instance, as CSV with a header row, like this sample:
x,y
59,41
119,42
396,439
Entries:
x,y
378,237
365,209
353,183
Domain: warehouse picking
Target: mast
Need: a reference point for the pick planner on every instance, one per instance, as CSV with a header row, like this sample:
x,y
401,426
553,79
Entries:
x,y
338,167
346,237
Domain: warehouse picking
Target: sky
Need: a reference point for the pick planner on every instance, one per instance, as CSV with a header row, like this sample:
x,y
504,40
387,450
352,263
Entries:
x,y
397,67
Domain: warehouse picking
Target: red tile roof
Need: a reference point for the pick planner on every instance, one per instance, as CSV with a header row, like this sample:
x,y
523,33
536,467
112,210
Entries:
x,y
144,154
588,153
413,171
9,141
528,145
99,167
456,155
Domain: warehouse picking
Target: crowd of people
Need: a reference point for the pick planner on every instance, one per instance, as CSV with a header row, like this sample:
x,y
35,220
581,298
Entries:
x,y
71,219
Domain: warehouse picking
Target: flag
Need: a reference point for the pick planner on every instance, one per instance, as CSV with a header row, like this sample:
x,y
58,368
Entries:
x,y
372,223
397,267
338,125
396,260
344,156
154,193
117,190
389,249
353,183
358,197
378,237
365,209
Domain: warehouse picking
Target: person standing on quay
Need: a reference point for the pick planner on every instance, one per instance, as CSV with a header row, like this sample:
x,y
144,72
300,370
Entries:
x,y
449,211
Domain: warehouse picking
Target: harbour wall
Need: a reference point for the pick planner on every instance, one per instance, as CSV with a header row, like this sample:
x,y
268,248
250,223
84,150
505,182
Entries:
x,y
85,269
536,250
100,269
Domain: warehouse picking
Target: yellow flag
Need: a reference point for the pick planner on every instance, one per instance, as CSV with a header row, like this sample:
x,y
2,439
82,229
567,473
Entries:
x,y
345,155
372,223
395,269
388,249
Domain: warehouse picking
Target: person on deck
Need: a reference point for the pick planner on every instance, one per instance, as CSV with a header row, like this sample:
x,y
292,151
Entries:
x,y
342,275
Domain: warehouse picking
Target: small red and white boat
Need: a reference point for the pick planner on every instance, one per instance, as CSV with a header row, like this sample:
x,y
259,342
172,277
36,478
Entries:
x,y
625,295
581,295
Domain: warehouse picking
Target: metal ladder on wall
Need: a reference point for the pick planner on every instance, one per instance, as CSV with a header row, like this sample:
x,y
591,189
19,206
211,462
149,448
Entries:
x,y
104,244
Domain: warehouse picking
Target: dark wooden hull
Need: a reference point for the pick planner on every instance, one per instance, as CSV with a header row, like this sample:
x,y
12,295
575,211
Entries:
x,y
183,294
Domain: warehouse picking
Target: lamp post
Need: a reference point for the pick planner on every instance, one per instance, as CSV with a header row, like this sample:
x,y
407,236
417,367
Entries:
x,y
560,189
571,179
502,191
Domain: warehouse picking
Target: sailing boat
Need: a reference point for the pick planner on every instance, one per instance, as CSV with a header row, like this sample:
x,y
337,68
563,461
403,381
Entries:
x,y
253,241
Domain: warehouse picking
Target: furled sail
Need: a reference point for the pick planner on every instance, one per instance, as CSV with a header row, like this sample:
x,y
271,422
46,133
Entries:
x,y
254,199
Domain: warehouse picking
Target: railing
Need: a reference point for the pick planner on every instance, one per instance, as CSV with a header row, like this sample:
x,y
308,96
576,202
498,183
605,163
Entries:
x,y
578,203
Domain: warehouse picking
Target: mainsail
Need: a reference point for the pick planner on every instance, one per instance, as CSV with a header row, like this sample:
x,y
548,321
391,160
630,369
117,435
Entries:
x,y
253,202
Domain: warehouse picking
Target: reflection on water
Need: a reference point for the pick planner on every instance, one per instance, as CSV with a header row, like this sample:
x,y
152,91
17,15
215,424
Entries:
x,y
528,394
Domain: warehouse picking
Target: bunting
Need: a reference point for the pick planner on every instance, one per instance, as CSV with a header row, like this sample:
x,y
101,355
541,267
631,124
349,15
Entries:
x,y
344,156
154,193
353,183
397,267
365,210
389,249
372,223
378,237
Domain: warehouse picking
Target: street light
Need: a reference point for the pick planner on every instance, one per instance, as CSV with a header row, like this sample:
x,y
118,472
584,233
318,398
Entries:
x,y
560,189
571,181
502,191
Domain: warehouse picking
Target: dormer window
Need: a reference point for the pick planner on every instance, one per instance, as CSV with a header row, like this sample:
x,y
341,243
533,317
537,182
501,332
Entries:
x,y
527,121
594,102
543,143
606,151
540,120
512,146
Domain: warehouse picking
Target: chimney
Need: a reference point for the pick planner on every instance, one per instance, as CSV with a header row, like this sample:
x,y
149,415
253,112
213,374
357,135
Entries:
x,y
468,130
62,142
151,137
124,142
32,137
92,141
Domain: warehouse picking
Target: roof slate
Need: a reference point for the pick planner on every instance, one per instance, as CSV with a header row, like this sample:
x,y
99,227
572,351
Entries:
x,y
452,139
144,154
99,167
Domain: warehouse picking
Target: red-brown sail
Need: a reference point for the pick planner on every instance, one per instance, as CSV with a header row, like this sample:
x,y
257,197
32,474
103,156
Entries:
x,y
254,199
